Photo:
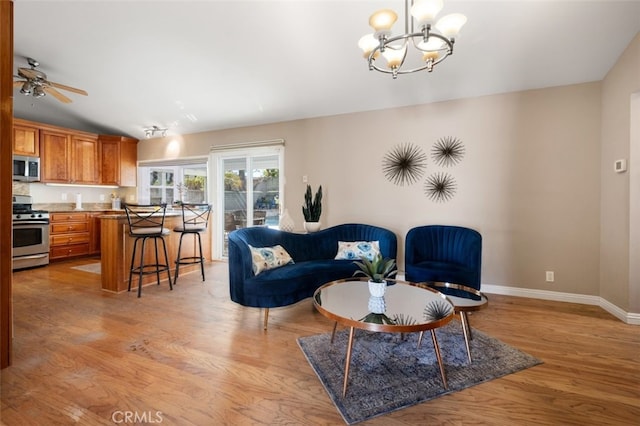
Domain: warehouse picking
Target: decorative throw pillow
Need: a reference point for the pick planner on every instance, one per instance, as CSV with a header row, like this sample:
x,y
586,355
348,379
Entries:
x,y
264,258
354,250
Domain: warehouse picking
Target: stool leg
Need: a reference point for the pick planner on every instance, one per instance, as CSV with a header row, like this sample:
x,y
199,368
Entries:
x,y
133,257
155,241
201,255
175,277
166,258
144,242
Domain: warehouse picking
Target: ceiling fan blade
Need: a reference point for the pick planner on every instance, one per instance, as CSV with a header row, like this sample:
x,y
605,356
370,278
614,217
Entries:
x,y
69,88
59,96
18,83
28,73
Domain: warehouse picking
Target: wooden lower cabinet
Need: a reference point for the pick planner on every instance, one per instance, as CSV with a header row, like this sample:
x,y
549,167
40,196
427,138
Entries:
x,y
94,231
69,235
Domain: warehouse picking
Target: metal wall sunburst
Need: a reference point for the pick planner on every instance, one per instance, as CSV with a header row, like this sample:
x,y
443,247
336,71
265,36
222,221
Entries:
x,y
440,187
447,151
404,164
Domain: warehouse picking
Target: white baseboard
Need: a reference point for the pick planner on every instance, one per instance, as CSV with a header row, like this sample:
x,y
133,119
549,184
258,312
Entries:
x,y
627,317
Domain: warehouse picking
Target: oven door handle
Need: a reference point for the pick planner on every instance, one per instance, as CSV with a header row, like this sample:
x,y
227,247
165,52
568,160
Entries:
x,y
31,222
32,256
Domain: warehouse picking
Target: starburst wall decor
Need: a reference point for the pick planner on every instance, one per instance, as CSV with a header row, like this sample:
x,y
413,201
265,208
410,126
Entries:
x,y
404,164
440,187
447,151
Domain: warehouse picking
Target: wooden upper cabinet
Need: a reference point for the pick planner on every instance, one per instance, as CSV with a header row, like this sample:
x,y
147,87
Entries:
x,y
119,160
74,156
55,156
26,139
85,160
68,157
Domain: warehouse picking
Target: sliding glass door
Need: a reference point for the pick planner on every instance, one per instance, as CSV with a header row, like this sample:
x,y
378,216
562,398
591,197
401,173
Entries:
x,y
249,191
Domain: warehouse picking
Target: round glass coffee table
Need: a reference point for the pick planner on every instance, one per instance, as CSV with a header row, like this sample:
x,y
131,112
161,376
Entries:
x,y
462,305
404,308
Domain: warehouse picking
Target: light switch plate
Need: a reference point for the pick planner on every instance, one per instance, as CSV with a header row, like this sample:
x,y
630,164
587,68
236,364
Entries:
x,y
620,166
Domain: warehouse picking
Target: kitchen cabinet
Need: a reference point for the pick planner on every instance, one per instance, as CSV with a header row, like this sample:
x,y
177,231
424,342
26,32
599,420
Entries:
x,y
26,139
69,235
74,156
68,157
119,160
94,232
55,151
85,159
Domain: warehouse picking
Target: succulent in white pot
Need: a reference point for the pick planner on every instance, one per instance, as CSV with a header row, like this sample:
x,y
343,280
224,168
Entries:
x,y
377,270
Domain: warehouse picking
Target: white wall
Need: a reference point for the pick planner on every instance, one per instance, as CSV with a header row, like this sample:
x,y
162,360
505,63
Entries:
x,y
529,180
617,89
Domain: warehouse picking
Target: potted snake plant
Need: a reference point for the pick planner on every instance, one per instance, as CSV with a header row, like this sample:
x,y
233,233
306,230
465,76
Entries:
x,y
312,209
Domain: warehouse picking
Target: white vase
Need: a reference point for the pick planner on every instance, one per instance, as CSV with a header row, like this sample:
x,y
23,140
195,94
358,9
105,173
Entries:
x,y
377,305
312,226
377,289
286,222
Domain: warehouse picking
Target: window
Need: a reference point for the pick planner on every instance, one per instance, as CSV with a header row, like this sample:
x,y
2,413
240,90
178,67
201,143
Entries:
x,y
183,181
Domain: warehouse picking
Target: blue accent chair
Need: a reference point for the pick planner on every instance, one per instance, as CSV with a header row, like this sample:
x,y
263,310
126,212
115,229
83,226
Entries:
x,y
446,254
314,264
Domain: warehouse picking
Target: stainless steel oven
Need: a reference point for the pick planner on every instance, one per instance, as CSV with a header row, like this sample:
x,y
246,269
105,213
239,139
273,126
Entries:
x,y
30,234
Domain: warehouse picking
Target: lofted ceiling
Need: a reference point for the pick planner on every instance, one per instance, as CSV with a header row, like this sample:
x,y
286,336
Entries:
x,y
193,66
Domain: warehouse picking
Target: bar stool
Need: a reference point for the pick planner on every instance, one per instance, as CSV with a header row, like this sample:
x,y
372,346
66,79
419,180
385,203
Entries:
x,y
195,218
146,221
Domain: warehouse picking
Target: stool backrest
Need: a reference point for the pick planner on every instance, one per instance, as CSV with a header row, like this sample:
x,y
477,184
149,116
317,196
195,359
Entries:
x,y
195,216
145,218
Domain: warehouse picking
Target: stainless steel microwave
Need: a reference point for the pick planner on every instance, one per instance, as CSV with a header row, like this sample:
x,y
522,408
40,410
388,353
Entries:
x,y
26,168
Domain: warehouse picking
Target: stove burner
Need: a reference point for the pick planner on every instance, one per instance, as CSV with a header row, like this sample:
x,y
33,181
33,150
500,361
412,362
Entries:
x,y
22,210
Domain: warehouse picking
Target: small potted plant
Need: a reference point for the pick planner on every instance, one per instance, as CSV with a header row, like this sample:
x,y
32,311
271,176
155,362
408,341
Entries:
x,y
377,270
312,209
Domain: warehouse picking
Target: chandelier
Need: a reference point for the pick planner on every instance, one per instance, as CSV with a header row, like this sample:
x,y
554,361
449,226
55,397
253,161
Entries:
x,y
429,45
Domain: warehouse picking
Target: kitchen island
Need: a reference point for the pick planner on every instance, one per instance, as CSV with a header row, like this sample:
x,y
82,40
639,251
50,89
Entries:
x,y
117,247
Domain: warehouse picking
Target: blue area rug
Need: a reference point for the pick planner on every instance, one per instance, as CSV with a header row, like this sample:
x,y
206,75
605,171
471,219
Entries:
x,y
388,373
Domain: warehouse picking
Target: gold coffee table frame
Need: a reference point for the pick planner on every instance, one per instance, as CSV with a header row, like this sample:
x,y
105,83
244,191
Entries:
x,y
344,301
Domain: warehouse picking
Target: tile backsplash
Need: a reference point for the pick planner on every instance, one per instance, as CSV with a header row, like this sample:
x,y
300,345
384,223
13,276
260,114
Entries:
x,y
62,195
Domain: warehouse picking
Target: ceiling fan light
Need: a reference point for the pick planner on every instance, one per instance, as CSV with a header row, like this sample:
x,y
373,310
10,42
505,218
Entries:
x,y
26,88
382,21
38,92
425,11
450,25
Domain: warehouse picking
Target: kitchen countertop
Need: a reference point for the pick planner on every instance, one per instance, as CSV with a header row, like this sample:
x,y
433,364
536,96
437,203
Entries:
x,y
123,215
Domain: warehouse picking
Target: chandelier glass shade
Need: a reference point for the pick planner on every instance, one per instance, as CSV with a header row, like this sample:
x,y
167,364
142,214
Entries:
x,y
428,45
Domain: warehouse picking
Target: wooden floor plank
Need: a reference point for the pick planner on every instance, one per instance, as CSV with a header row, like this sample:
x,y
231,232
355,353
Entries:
x,y
197,358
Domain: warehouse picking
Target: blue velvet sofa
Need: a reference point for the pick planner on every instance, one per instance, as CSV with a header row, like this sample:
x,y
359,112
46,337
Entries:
x,y
314,264
444,253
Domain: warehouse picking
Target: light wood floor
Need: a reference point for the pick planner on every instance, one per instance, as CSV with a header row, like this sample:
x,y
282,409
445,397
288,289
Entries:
x,y
193,357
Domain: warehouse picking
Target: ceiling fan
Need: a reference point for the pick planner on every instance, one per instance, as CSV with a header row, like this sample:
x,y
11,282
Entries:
x,y
35,83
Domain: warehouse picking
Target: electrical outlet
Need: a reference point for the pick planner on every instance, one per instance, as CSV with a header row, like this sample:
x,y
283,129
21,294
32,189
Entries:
x,y
64,196
550,276
305,179
101,197
131,197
